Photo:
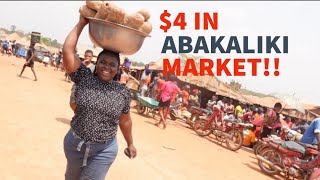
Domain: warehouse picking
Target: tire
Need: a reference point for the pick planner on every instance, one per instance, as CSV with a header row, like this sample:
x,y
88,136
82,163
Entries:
x,y
259,148
172,117
237,139
199,123
315,175
141,109
266,153
193,117
258,143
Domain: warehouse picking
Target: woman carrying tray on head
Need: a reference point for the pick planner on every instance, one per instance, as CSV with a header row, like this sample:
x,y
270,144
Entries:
x,y
30,60
90,146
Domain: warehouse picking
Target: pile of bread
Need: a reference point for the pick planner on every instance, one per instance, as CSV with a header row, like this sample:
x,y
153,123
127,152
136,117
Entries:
x,y
109,11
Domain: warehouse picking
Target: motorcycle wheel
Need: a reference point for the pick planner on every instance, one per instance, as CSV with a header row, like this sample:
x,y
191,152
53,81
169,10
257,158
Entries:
x,y
315,175
172,117
193,118
259,148
141,109
198,126
272,155
236,142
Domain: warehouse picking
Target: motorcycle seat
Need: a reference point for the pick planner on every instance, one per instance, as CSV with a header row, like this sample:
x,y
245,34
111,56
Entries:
x,y
308,145
205,111
231,120
293,146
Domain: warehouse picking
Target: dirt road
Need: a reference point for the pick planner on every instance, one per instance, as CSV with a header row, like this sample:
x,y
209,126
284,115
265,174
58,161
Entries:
x,y
35,117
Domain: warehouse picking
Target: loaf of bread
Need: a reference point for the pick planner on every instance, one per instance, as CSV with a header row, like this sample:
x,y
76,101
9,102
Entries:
x,y
104,10
146,27
94,5
87,12
109,11
116,15
134,20
145,13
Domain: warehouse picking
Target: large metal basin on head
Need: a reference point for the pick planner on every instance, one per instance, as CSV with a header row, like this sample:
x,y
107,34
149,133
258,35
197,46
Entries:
x,y
115,37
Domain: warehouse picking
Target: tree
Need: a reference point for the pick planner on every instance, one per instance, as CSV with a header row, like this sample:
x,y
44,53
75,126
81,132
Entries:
x,y
138,64
45,40
184,57
235,85
13,28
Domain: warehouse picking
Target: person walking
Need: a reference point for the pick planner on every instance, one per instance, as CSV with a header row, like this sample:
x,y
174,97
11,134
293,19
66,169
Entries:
x,y
168,93
30,61
103,104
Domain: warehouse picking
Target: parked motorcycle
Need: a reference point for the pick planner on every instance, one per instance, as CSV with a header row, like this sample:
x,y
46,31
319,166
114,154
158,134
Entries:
x,y
290,135
176,113
296,160
197,111
229,131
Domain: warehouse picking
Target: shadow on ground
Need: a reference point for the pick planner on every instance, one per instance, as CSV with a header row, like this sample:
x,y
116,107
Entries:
x,y
63,120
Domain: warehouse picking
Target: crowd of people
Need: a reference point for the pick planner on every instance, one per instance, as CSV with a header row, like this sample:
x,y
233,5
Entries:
x,y
264,121
101,103
8,47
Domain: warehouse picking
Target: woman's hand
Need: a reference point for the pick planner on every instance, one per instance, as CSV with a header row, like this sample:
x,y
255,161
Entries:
x,y
132,151
71,61
83,21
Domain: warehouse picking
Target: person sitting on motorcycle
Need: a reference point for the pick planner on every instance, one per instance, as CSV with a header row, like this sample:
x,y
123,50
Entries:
x,y
229,108
271,117
238,112
302,127
211,103
193,98
221,103
248,116
250,139
312,134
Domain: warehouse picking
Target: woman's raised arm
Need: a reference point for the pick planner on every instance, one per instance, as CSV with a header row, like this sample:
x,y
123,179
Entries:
x,y
71,61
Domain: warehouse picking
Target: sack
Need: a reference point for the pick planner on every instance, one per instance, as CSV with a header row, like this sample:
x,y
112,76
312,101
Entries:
x,y
293,146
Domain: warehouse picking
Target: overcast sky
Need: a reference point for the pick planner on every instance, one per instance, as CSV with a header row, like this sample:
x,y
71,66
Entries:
x,y
298,20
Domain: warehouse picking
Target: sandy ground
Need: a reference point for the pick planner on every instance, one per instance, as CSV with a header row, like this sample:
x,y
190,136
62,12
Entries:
x,y
35,117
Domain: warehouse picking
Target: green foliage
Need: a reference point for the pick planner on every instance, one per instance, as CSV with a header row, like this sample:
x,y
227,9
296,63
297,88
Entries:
x,y
184,57
235,85
137,64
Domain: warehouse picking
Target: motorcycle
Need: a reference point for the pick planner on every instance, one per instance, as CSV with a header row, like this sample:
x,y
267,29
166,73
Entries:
x,y
176,113
229,131
289,134
197,111
296,160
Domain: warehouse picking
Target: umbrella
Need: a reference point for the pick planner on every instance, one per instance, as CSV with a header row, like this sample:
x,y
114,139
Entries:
x,y
291,101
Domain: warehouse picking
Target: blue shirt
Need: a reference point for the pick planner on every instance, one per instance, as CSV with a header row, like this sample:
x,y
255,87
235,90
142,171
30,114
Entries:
x,y
309,137
302,128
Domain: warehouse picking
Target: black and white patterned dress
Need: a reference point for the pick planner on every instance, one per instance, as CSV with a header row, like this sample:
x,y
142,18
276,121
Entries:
x,y
99,106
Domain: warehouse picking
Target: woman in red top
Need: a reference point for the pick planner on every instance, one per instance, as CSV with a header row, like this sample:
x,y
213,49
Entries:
x,y
168,92
161,82
185,96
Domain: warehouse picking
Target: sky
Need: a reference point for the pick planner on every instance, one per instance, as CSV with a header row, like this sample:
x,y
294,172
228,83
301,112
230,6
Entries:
x,y
297,20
